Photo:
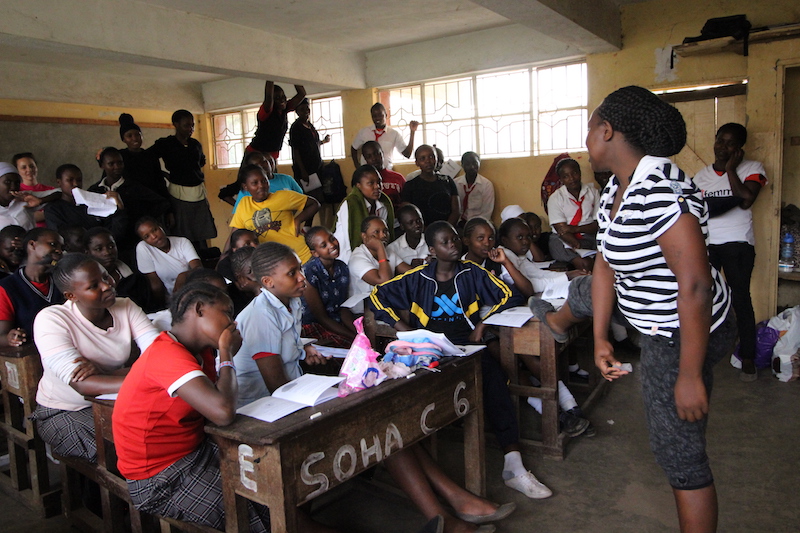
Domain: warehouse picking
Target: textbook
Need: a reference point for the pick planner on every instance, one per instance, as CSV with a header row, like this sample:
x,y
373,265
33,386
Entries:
x,y
306,391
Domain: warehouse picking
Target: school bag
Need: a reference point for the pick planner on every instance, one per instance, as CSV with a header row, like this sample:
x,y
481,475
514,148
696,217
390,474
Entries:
x,y
551,182
333,188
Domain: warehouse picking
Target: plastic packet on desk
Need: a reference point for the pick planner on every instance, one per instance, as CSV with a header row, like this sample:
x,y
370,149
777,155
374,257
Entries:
x,y
360,368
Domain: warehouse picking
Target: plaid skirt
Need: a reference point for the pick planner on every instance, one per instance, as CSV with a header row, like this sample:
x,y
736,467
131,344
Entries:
x,y
69,433
190,489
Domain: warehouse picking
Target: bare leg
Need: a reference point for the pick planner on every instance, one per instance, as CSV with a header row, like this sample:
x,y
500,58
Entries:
x,y
697,509
407,472
563,319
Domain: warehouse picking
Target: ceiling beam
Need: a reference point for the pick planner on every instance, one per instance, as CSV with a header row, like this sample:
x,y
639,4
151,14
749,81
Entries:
x,y
593,27
131,32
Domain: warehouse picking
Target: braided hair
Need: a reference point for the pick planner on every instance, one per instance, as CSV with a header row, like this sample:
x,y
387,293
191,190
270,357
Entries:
x,y
313,232
648,123
66,268
267,256
474,223
241,260
191,294
205,275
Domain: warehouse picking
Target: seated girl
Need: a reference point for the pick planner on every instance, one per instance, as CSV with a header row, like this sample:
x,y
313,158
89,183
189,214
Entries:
x,y
478,238
365,199
164,260
369,264
238,239
328,286
540,247
272,349
16,207
100,244
515,240
84,344
171,467
11,251
445,297
269,358
273,216
409,249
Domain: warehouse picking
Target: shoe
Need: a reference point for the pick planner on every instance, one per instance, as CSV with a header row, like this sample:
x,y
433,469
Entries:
x,y
748,377
528,485
590,429
500,513
579,376
540,308
572,424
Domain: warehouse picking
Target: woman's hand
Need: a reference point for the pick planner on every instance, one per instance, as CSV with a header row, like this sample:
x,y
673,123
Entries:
x,y
85,369
313,357
116,197
734,161
498,255
230,340
24,196
327,139
572,274
691,398
374,244
605,361
298,227
16,337
477,334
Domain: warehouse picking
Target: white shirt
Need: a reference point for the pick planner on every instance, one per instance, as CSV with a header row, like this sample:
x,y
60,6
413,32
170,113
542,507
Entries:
x,y
399,251
361,262
341,231
390,140
561,206
167,266
735,225
17,214
481,197
267,326
539,278
62,334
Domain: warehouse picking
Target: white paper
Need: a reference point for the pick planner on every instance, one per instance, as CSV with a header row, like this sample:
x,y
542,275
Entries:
x,y
327,351
469,349
450,168
583,252
307,340
99,205
313,183
354,300
309,389
556,291
515,317
444,344
269,408
112,396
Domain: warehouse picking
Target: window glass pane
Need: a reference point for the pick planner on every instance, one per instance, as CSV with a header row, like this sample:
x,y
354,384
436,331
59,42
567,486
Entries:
x,y
506,135
448,101
562,130
229,153
250,122
228,126
560,87
502,94
452,137
326,114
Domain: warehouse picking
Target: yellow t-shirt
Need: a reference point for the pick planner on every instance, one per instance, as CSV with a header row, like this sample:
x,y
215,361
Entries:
x,y
280,206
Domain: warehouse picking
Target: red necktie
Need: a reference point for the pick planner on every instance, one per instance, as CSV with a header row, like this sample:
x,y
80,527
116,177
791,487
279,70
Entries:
x,y
576,220
378,135
465,202
373,210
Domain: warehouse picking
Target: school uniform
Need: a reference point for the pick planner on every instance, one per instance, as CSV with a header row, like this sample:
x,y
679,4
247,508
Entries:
x,y
17,213
64,417
268,329
476,200
389,138
21,299
433,198
563,208
361,262
352,211
541,279
167,266
172,469
61,213
399,251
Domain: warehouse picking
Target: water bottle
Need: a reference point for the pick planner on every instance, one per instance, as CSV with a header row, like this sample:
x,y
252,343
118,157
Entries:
x,y
786,262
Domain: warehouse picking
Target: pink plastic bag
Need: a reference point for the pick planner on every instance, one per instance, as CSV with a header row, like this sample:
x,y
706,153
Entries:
x,y
360,367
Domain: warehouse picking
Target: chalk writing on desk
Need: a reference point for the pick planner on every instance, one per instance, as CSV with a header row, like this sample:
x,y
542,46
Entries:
x,y
246,466
346,457
13,375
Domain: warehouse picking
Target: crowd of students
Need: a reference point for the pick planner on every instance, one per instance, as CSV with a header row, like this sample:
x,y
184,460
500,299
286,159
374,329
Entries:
x,y
421,252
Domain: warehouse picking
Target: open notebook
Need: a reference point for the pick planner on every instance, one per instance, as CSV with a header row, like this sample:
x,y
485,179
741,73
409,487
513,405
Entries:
x,y
305,391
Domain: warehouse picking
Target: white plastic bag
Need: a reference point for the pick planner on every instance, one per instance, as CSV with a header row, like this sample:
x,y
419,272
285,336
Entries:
x,y
788,325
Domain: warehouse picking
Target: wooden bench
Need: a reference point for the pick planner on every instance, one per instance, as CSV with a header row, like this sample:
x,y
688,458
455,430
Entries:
x,y
27,479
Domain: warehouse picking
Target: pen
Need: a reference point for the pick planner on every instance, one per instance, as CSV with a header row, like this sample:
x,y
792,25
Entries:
x,y
315,415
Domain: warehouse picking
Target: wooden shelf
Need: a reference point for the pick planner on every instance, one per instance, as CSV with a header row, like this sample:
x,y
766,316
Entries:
x,y
790,276
729,44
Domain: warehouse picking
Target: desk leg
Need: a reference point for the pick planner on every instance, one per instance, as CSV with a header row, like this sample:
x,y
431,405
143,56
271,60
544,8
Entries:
x,y
549,377
474,449
236,517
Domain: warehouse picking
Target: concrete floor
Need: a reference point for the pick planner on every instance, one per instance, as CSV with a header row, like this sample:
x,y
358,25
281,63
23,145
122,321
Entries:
x,y
609,483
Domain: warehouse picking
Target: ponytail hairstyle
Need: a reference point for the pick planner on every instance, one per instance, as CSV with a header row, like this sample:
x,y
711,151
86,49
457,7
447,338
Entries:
x,y
66,268
648,123
190,295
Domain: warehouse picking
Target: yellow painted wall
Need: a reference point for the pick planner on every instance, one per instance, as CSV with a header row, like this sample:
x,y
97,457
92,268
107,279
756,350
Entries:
x,y
791,128
31,108
649,26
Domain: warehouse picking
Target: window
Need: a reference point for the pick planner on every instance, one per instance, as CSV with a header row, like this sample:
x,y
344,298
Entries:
x,y
507,114
234,130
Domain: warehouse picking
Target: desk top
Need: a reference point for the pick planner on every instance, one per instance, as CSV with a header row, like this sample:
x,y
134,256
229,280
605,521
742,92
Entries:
x,y
18,352
259,432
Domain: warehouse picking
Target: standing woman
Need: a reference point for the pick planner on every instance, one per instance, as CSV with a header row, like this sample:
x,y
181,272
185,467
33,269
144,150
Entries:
x,y
141,165
730,186
273,119
184,159
305,143
653,264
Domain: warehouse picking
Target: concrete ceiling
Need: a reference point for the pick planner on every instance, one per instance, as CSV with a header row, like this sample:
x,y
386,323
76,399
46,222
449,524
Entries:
x,y
325,44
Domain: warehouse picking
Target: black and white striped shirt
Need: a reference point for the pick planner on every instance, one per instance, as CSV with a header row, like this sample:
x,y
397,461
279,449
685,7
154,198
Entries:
x,y
647,290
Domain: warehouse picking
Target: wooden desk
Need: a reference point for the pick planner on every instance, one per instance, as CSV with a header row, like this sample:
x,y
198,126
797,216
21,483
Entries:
x,y
535,339
292,460
27,479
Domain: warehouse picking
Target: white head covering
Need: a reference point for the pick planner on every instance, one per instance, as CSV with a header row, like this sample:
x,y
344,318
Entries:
x,y
510,211
7,168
